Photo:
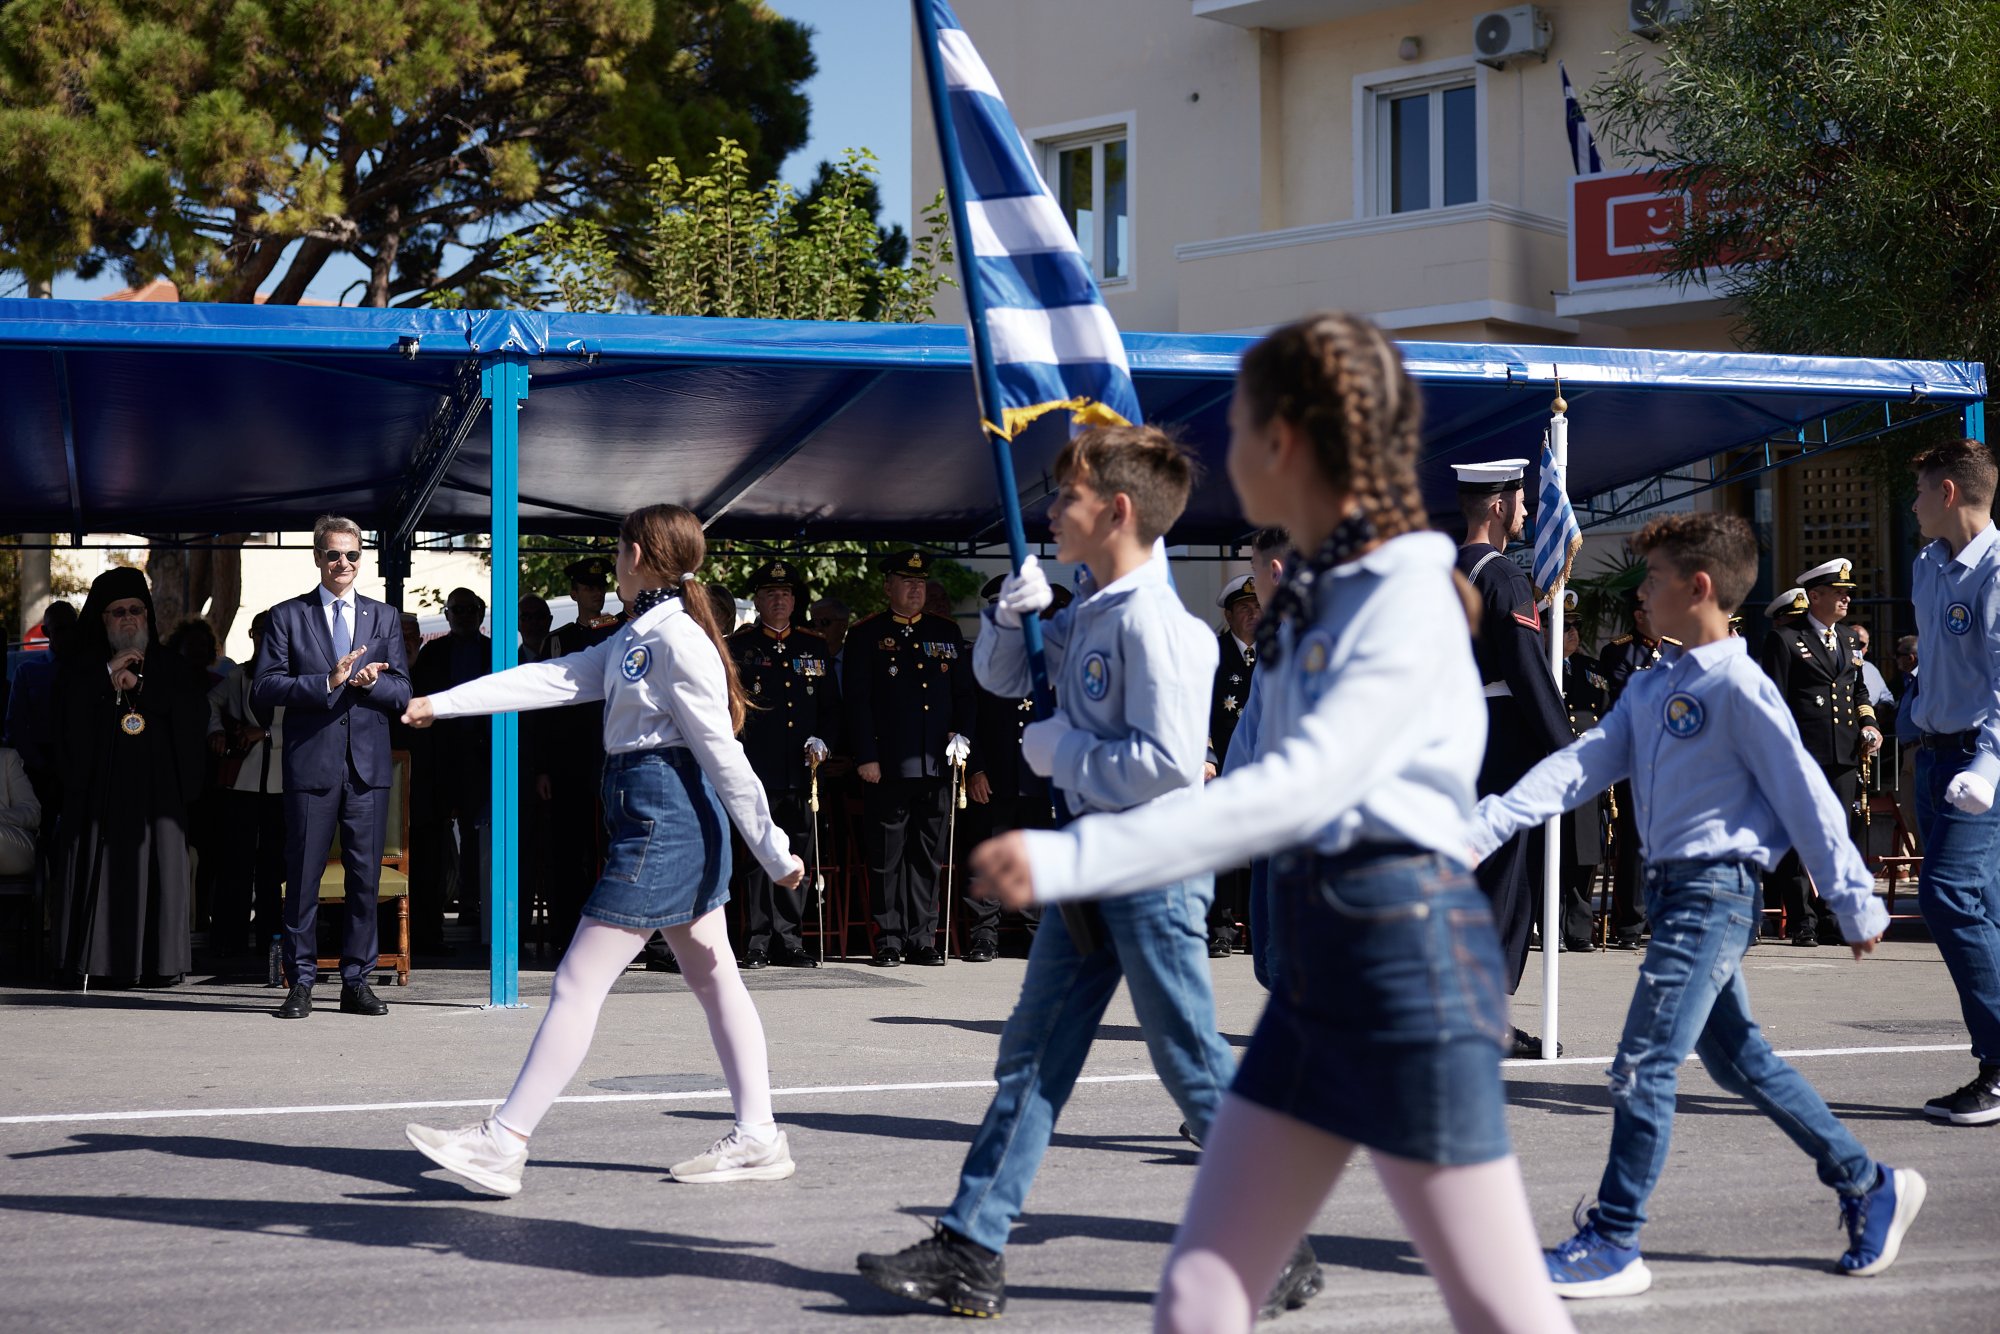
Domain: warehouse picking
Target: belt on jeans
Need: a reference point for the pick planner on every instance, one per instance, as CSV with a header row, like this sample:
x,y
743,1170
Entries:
x,y
1967,741
1498,690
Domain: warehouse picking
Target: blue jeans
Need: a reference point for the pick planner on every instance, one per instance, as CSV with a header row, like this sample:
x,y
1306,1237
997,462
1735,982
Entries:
x,y
1158,942
1691,997
1958,892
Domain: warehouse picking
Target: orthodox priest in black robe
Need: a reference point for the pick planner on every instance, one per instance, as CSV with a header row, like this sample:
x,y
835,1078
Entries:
x,y
130,727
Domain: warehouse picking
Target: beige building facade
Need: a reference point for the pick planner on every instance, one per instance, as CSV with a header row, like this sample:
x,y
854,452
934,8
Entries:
x,y
1233,164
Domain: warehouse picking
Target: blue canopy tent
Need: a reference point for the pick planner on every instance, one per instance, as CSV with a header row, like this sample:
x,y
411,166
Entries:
x,y
207,418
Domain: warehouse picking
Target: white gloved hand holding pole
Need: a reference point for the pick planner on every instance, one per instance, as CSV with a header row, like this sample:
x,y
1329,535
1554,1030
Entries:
x,y
957,749
1970,793
1022,594
1039,742
816,750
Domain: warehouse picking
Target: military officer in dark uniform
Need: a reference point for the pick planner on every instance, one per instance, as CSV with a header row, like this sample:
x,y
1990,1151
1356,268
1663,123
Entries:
x,y
1238,658
1586,699
570,742
1525,719
1005,794
788,674
1816,662
1787,607
909,692
1637,652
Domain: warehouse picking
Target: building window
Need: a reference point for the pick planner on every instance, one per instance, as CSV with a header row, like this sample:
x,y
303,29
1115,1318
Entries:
x,y
1092,178
1426,146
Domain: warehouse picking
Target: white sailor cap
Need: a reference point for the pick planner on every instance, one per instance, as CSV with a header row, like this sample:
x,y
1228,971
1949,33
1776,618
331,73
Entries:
x,y
1235,589
1490,479
1787,602
1834,574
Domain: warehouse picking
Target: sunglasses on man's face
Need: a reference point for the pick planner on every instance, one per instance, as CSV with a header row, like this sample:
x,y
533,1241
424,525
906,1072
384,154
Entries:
x,y
335,557
125,613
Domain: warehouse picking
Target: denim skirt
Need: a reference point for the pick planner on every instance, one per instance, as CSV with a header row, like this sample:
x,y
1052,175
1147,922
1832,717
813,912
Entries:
x,y
1390,1016
669,858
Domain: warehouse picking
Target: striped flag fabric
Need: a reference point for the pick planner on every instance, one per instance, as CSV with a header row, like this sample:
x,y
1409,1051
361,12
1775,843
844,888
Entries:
x,y
1557,536
1582,145
1053,343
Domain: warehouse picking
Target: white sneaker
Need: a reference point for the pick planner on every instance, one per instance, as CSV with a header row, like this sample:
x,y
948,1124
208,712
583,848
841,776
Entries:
x,y
733,1158
483,1153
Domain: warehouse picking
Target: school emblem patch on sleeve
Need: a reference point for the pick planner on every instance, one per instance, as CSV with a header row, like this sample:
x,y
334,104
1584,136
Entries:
x,y
637,659
1958,618
1683,715
1096,676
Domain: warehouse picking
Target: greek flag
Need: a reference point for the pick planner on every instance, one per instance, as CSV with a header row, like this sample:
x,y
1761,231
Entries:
x,y
1052,341
1557,536
1582,147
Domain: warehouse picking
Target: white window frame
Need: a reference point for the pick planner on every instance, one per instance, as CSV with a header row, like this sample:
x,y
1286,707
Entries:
x,y
1372,93
1051,141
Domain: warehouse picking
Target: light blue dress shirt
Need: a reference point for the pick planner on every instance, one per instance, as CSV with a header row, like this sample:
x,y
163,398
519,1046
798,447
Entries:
x,y
1370,729
1133,671
1718,774
1958,633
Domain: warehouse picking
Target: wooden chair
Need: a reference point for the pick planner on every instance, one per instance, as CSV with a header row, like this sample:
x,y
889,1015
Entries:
x,y
395,883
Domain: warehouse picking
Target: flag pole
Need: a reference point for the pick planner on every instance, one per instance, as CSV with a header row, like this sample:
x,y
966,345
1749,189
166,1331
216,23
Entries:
x,y
1552,931
986,385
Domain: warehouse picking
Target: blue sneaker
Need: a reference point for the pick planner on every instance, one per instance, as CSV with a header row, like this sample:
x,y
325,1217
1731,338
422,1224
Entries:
x,y
1589,1265
1876,1222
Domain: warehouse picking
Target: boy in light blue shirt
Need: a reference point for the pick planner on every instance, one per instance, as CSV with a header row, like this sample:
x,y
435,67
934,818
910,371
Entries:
x,y
1952,714
1133,671
1721,787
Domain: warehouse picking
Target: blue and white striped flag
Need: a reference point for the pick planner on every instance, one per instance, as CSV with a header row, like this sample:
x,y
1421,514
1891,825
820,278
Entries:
x,y
1053,343
1582,146
1557,536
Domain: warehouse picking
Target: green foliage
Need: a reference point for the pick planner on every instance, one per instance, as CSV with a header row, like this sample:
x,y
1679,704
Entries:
x,y
203,140
713,243
1848,149
1601,598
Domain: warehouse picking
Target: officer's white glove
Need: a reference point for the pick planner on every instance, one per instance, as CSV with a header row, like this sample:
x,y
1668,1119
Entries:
x,y
1970,793
957,749
1040,740
1022,595
816,749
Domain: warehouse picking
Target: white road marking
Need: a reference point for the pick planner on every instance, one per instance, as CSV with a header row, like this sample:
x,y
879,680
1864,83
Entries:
x,y
804,1091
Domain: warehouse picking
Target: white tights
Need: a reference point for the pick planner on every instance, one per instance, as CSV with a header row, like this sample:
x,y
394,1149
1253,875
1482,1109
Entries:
x,y
597,955
1470,1224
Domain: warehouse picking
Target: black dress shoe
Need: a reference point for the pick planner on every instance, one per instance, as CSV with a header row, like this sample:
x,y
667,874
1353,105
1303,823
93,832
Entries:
x,y
753,959
1528,1047
662,963
1219,947
888,957
1806,940
361,999
298,1002
980,951
1626,943
787,957
927,956
1298,1283
1580,946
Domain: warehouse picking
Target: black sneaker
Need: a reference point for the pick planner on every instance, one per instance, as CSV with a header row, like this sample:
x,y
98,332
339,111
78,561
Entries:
x,y
1219,946
1977,1104
1298,1283
968,1279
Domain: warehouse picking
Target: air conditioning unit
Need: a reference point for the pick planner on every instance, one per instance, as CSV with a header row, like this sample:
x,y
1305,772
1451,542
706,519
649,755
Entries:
x,y
1649,18
1506,33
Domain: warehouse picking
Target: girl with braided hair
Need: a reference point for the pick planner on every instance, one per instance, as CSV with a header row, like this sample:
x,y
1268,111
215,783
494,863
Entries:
x,y
1362,794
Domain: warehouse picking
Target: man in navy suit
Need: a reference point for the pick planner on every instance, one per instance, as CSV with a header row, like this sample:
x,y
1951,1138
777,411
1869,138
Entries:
x,y
335,661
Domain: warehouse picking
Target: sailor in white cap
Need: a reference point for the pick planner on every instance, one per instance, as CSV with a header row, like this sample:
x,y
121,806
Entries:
x,y
1791,602
1816,662
1525,718
1231,690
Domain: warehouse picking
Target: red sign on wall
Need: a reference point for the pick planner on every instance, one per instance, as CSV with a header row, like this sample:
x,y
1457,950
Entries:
x,y
1620,225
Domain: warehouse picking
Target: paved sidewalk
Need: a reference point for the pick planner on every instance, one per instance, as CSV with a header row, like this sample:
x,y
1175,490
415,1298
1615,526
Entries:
x,y
299,1206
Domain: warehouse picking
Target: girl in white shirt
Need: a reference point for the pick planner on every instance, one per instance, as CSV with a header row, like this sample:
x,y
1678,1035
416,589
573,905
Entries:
x,y
673,767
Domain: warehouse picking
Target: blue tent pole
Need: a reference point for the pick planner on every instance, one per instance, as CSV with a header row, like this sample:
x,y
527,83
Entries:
x,y
504,382
985,379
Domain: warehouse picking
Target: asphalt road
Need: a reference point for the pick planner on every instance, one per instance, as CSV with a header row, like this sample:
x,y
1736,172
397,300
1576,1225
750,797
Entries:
x,y
182,1161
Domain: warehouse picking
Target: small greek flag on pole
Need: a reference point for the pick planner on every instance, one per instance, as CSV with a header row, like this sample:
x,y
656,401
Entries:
x,y
1029,290
1582,146
1557,536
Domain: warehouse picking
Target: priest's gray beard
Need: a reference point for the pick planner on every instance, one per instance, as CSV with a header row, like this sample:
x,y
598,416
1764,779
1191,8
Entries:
x,y
134,640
